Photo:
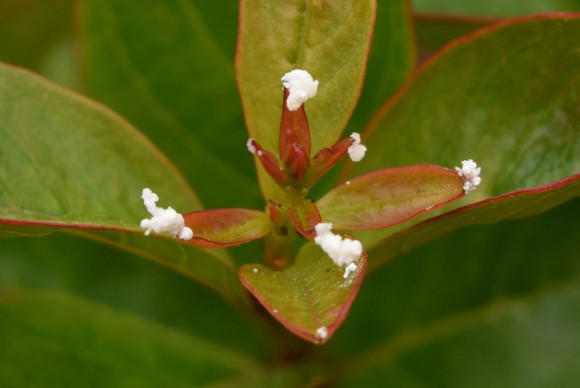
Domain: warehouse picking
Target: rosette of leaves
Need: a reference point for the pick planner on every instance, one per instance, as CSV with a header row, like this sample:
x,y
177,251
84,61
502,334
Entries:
x,y
484,297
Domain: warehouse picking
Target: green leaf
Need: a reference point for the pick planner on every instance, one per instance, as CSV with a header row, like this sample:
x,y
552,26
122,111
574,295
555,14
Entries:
x,y
330,40
168,68
84,167
523,134
391,59
487,306
76,341
311,298
78,162
387,197
495,8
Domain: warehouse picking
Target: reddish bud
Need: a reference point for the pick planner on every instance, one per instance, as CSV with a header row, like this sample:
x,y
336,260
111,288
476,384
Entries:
x,y
294,146
269,162
326,158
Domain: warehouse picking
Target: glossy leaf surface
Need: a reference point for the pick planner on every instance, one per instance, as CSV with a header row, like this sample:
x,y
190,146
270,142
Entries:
x,y
524,135
83,167
227,227
77,341
302,35
388,197
311,298
81,163
168,68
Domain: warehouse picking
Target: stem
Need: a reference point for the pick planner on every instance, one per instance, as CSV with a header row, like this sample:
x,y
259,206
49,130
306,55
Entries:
x,y
278,245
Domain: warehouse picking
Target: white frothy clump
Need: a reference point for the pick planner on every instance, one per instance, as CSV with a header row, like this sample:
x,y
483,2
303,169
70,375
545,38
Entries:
x,y
301,86
322,332
250,145
470,174
341,251
356,151
163,220
349,269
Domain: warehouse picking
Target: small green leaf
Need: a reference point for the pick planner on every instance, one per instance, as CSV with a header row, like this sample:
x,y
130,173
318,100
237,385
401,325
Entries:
x,y
330,40
227,227
311,298
388,197
51,339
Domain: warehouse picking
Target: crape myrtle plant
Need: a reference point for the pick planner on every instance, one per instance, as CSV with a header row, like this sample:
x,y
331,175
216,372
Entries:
x,y
325,139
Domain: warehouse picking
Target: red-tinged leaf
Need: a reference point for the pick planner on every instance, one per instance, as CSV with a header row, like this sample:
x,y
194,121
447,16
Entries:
x,y
269,162
389,197
311,298
518,204
219,228
305,217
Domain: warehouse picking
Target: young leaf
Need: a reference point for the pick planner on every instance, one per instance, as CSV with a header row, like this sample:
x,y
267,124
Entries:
x,y
522,136
312,297
330,40
388,197
76,341
226,227
305,217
